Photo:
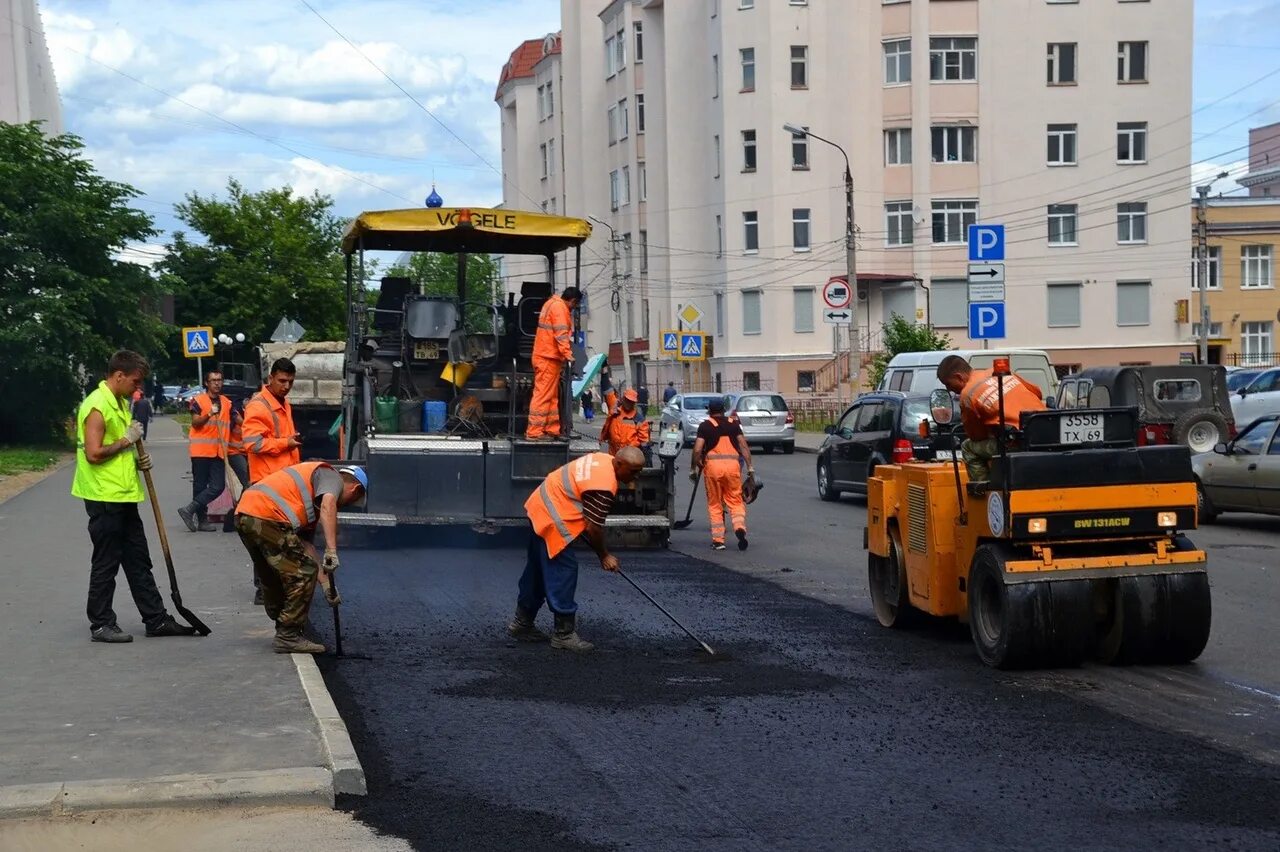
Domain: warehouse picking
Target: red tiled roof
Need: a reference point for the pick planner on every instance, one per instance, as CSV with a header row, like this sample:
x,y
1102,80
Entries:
x,y
525,57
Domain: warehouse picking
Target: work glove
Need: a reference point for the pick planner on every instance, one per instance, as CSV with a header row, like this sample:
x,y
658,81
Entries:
x,y
693,475
144,461
216,408
133,434
333,598
331,561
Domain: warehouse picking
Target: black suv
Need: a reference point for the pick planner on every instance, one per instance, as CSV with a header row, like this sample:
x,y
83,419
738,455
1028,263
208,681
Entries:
x,y
879,428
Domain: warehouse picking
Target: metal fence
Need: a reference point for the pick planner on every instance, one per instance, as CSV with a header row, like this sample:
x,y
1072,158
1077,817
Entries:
x,y
812,414
1266,359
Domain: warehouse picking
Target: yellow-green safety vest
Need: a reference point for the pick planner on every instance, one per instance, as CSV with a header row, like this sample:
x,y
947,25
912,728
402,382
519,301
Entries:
x,y
116,480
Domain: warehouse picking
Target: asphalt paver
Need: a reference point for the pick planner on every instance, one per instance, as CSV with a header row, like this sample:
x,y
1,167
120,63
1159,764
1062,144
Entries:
x,y
821,731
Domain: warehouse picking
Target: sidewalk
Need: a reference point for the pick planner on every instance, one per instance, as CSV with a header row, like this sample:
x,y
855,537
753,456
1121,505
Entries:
x,y
175,721
806,442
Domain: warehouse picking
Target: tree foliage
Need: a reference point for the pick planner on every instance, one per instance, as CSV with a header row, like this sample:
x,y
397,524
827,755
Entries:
x,y
66,299
436,274
260,256
900,336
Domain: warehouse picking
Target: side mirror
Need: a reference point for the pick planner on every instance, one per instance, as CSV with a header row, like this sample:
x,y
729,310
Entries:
x,y
829,429
940,406
1051,403
1243,393
1222,449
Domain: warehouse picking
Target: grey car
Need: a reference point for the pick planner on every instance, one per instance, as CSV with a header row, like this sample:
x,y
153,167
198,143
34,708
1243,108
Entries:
x,y
1243,475
686,411
765,419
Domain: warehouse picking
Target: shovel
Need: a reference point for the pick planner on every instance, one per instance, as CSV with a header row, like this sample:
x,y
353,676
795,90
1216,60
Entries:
x,y
688,516
187,614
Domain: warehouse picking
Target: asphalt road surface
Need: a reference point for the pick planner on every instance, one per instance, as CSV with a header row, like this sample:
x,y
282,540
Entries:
x,y
823,731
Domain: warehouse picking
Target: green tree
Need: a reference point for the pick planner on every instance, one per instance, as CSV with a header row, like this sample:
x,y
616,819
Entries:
x,y
67,301
260,256
900,336
436,274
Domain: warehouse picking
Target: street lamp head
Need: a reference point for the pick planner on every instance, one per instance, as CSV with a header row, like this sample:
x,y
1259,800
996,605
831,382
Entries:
x,y
794,130
240,337
1222,175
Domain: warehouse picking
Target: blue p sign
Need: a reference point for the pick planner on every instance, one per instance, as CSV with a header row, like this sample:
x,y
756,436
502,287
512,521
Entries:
x,y
986,242
986,320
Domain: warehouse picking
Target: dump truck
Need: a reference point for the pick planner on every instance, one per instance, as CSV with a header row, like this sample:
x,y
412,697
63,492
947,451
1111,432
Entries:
x,y
1075,549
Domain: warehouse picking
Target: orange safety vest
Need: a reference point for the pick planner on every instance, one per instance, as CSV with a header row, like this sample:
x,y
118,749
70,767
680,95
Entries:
x,y
622,429
980,402
205,442
724,451
555,508
555,329
268,425
285,497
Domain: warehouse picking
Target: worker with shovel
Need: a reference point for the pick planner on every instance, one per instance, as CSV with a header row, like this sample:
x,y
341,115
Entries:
x,y
573,501
107,479
720,467
276,519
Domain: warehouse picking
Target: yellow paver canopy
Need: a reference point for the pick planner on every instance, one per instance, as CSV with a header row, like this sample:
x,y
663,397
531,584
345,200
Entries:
x,y
446,229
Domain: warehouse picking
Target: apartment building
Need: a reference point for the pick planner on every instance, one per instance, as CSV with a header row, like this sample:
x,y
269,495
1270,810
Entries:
x,y
1263,179
1068,122
28,90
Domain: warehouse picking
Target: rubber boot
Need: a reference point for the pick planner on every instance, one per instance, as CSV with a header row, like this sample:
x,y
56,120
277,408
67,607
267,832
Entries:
x,y
522,628
188,515
566,636
289,640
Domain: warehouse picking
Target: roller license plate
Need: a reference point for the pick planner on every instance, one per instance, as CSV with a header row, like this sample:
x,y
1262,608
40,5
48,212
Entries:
x,y
1080,429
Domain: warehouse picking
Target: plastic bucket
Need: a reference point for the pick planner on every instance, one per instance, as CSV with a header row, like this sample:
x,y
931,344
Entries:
x,y
434,414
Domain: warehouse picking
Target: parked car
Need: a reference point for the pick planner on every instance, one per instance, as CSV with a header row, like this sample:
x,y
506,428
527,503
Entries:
x,y
1242,475
686,412
917,372
1260,396
765,419
879,428
1187,404
1239,377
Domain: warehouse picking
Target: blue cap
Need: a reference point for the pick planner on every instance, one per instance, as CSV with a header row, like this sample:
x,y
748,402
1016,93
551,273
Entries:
x,y
358,473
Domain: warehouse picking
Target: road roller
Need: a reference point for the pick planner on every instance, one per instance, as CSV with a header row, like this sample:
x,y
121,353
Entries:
x,y
1075,549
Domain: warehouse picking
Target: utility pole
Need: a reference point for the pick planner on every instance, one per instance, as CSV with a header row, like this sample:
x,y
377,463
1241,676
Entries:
x,y
621,308
1202,277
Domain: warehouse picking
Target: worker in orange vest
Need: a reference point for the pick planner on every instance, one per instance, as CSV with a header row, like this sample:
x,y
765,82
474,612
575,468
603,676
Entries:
x,y
625,426
980,409
270,437
572,502
718,452
210,416
277,519
551,352
237,460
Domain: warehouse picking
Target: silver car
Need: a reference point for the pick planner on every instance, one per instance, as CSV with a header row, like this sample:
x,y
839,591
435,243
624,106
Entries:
x,y
1244,475
686,411
765,419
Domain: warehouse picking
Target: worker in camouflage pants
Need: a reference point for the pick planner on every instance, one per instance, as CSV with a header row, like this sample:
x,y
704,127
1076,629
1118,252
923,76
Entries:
x,y
286,567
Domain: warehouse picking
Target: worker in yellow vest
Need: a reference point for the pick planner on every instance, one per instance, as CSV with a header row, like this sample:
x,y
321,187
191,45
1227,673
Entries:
x,y
107,480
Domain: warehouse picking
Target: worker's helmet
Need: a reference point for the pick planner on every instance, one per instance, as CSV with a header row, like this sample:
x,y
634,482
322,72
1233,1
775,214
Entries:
x,y
630,395
358,473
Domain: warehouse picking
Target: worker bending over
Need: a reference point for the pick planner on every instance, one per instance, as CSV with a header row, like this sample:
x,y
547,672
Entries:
x,y
270,438
980,410
551,352
625,425
722,472
277,519
574,500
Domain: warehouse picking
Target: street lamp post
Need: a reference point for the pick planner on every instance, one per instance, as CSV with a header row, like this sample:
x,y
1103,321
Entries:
x,y
1202,273
850,244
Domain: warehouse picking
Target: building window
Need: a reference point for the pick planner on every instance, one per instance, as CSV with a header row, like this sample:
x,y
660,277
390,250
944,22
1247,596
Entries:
x,y
897,61
748,57
1255,343
951,220
1062,63
719,236
1064,305
1131,222
1215,330
610,58
551,156
719,314
626,254
623,124
542,103
1131,142
799,66
800,150
642,178
802,303
613,124
715,75
1133,303
626,185
800,228
644,255
949,302
953,59
644,318
1131,63
805,381
751,378
546,163
1062,144
746,4
1062,224
899,225
615,189
751,231
1215,268
715,152
751,311
1255,266
954,144
639,112
637,30
620,49
897,146
748,150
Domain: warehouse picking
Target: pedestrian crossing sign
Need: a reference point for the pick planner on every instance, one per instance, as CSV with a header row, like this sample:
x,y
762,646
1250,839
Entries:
x,y
692,346
671,341
197,342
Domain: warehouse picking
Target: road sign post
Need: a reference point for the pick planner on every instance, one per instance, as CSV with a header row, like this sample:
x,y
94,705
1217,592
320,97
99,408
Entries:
x,y
844,316
693,346
197,342
986,243
986,321
670,342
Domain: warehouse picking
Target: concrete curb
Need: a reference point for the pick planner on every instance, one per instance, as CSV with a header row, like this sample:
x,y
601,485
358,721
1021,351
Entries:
x,y
348,774
304,786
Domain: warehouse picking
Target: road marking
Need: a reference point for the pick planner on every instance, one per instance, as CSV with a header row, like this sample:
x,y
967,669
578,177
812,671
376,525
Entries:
x,y
1273,696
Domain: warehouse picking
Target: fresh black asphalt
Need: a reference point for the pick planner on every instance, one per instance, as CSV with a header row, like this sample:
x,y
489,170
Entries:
x,y
823,730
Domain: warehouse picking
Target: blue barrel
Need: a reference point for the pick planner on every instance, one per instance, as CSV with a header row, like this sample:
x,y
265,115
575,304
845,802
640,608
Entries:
x,y
434,414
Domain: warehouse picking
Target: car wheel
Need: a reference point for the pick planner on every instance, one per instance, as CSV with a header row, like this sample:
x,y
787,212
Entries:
x,y
788,448
826,489
1207,513
1200,430
767,449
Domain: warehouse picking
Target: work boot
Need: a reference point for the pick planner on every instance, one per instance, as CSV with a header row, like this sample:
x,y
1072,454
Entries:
x,y
169,627
257,597
188,515
289,640
109,633
208,526
522,628
566,636
717,545
742,539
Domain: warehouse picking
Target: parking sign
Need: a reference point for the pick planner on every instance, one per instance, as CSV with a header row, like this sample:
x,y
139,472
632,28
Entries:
x,y
986,321
986,242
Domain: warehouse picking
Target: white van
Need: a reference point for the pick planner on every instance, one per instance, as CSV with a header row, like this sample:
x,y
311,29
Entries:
x,y
917,372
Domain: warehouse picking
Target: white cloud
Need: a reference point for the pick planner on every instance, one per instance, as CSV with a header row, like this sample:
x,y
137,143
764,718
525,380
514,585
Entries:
x,y
270,109
75,42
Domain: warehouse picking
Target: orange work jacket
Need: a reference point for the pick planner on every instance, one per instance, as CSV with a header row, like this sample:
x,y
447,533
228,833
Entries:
x,y
235,441
268,425
284,496
555,329
555,508
621,429
206,441
980,403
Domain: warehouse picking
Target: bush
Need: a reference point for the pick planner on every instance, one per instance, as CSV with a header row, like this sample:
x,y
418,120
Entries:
x,y
901,336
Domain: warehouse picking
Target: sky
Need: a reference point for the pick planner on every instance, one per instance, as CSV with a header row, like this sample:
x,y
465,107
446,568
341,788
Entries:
x,y
175,97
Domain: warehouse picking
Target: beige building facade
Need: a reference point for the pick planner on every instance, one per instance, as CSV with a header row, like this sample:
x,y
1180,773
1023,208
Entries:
x,y
28,90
